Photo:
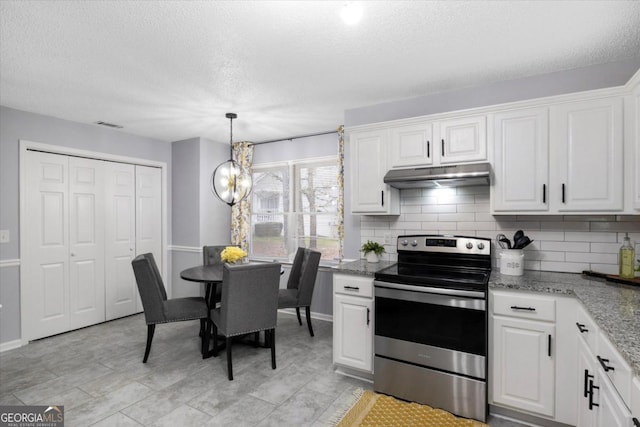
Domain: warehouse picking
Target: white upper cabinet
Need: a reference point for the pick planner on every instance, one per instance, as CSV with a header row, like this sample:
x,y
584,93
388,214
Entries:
x,y
586,158
435,143
369,194
521,160
463,140
411,145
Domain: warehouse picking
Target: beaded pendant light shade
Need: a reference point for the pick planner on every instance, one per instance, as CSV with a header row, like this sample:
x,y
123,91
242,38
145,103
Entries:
x,y
229,181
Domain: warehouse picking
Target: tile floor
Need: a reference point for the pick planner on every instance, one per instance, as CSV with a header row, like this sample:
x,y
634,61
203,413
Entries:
x,y
98,375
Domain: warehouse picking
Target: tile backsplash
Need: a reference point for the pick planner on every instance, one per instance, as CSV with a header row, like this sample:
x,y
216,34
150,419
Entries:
x,y
564,243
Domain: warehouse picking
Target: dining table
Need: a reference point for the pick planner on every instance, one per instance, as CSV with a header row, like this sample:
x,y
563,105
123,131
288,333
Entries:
x,y
211,276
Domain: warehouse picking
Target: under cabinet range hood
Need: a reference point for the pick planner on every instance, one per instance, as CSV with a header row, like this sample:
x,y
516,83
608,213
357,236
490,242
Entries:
x,y
439,176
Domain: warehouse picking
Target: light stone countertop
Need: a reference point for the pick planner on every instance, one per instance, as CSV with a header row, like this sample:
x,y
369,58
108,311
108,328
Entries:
x,y
614,307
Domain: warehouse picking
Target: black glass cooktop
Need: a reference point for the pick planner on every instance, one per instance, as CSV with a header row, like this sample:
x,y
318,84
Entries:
x,y
437,276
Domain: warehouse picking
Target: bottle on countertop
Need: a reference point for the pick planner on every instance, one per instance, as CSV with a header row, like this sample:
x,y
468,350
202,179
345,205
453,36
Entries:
x,y
627,258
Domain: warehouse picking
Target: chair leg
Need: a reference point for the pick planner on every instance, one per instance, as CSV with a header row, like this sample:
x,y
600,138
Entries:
x,y
204,330
215,339
308,313
272,339
229,365
150,330
256,339
298,313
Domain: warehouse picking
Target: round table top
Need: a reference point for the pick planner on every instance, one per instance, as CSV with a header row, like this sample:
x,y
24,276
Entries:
x,y
203,273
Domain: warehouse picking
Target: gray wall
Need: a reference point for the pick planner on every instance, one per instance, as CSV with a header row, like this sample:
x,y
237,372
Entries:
x,y
199,218
562,82
185,186
16,125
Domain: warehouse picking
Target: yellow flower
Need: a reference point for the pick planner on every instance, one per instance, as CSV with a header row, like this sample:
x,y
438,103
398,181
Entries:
x,y
232,254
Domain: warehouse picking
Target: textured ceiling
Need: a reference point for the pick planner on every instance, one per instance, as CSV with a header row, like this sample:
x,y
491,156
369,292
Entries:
x,y
171,69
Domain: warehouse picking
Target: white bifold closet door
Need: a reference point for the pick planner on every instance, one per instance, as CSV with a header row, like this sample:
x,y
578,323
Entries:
x,y
63,274
85,221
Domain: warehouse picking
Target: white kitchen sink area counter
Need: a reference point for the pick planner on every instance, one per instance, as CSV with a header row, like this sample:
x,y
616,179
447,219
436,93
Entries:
x,y
614,307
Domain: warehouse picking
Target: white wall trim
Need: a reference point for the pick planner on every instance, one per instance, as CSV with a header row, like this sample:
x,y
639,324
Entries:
x,y
314,315
633,81
10,263
10,345
191,249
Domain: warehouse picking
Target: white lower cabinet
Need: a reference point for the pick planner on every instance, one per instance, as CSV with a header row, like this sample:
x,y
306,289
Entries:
x,y
604,379
353,322
523,364
635,401
532,357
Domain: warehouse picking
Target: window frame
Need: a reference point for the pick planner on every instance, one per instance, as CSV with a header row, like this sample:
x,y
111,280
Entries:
x,y
295,198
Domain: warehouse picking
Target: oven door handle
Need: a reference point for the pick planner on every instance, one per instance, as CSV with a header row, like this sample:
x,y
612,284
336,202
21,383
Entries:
x,y
430,290
407,293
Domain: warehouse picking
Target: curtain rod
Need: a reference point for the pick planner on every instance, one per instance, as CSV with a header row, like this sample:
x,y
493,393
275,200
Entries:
x,y
294,137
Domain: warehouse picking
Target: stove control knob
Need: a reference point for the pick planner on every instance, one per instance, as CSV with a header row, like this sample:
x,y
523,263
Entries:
x,y
469,245
414,243
405,242
481,246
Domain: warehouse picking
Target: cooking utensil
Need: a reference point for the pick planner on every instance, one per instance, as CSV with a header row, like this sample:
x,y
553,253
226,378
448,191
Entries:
x,y
522,242
518,235
503,241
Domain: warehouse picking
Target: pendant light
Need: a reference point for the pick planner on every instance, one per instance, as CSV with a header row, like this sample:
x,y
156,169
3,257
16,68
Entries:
x,y
230,182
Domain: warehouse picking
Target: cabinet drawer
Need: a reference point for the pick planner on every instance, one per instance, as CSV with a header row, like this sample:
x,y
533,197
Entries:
x,y
353,285
525,306
615,367
587,328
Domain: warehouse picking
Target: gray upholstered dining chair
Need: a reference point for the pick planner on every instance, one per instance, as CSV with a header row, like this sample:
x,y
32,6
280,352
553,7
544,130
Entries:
x,y
211,256
300,285
249,305
159,309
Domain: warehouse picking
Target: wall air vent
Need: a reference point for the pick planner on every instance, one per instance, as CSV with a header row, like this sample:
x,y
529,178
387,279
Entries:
x,y
111,125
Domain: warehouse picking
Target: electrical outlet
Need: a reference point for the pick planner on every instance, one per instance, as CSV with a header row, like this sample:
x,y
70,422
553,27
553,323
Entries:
x,y
4,236
387,238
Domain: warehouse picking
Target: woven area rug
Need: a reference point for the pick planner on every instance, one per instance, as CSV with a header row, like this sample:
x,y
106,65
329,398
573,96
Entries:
x,y
378,410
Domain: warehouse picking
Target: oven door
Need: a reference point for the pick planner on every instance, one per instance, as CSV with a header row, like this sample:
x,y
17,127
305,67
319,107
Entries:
x,y
444,329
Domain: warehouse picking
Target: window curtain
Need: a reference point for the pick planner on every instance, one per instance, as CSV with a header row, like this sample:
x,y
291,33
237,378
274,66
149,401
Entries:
x,y
341,192
241,212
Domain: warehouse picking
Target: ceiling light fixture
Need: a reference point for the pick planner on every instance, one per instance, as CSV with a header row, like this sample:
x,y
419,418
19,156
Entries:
x,y
351,13
229,181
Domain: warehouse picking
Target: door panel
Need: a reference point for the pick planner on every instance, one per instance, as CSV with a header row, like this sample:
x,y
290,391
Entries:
x,y
45,268
121,290
149,215
86,242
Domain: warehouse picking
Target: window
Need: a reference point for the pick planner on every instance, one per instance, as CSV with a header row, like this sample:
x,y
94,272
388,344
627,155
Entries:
x,y
295,205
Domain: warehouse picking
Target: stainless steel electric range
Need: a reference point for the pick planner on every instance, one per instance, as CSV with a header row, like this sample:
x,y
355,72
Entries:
x,y
431,323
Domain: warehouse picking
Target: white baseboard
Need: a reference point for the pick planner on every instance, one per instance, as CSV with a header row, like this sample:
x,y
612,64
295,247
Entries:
x,y
318,316
10,345
10,263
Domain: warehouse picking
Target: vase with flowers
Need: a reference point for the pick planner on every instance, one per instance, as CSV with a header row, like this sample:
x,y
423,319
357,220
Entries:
x,y
233,254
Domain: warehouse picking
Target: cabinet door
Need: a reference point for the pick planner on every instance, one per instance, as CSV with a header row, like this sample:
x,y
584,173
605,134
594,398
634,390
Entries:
x,y
86,242
612,411
353,332
586,377
121,291
586,158
411,145
463,140
369,194
523,364
45,269
521,165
